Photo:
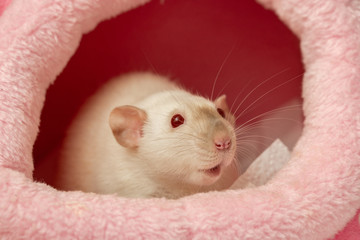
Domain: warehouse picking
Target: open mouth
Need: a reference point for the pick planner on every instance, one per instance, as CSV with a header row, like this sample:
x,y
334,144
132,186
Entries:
x,y
214,172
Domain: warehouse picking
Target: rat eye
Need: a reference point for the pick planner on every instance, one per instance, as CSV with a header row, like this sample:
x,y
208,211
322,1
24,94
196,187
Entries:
x,y
221,112
177,120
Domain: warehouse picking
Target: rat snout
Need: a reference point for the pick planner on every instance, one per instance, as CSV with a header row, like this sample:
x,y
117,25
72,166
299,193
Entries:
x,y
222,143
221,137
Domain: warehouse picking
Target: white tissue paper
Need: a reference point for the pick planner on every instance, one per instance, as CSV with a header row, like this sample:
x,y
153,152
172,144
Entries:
x,y
264,167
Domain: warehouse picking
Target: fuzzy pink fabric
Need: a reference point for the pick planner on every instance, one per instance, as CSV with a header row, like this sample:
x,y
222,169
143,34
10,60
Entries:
x,y
315,196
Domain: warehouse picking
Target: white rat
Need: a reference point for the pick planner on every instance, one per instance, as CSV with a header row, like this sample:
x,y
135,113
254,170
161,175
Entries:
x,y
143,136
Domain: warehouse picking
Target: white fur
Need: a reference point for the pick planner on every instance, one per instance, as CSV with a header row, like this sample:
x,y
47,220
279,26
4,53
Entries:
x,y
167,161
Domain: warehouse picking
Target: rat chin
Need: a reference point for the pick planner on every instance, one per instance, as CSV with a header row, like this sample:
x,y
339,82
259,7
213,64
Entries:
x,y
207,177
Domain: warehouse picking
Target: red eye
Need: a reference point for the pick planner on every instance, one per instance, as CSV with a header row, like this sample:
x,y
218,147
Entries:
x,y
177,120
221,112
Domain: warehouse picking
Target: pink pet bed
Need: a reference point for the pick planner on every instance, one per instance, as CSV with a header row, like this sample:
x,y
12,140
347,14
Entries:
x,y
315,196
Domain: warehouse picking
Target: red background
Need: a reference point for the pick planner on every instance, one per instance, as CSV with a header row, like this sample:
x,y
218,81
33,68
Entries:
x,y
188,40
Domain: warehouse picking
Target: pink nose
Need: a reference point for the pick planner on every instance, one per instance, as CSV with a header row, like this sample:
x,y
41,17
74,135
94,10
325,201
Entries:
x,y
222,144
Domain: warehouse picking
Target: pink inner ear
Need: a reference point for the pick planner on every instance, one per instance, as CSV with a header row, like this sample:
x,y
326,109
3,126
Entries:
x,y
220,102
126,123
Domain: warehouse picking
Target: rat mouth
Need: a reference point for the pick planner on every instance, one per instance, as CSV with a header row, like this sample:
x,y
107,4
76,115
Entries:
x,y
214,171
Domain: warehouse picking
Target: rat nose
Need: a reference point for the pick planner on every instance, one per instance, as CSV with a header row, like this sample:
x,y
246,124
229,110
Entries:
x,y
222,143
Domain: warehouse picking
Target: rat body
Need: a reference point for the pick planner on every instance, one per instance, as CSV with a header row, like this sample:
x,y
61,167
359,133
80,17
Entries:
x,y
143,136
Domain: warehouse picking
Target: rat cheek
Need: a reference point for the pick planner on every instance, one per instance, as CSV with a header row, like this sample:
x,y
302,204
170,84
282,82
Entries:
x,y
200,179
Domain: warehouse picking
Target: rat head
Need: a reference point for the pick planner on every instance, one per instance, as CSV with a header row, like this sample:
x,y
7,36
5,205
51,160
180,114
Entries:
x,y
179,137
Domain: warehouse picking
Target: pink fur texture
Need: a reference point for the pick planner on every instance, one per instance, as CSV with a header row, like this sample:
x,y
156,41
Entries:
x,y
316,196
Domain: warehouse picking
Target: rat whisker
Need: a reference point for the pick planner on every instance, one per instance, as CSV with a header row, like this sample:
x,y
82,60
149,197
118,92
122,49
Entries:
x,y
253,136
149,62
260,123
278,110
251,142
266,93
259,85
223,88
236,162
293,107
220,69
238,95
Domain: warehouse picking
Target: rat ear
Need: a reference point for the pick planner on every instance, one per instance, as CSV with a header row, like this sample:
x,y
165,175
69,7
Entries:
x,y
126,123
221,103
